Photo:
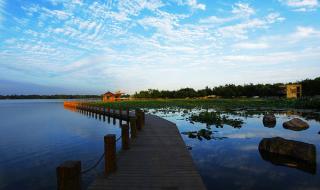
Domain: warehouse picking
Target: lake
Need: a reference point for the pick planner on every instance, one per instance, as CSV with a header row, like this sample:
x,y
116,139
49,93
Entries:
x,y
37,135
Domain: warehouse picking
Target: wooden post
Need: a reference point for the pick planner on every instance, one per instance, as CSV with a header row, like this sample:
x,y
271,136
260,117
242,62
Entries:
x,y
142,119
69,175
133,127
125,137
120,112
128,114
104,110
108,110
139,119
110,154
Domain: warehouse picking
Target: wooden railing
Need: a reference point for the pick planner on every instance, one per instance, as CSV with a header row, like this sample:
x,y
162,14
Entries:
x,y
69,172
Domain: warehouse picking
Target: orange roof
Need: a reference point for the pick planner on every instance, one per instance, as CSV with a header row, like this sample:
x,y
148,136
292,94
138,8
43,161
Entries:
x,y
113,94
109,93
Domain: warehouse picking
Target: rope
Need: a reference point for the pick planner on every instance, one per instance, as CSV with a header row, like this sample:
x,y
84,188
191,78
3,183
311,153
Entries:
x,y
98,162
94,166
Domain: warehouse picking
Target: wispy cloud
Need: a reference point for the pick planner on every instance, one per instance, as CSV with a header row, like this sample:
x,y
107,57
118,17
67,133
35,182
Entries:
x,y
137,44
2,11
302,5
247,45
193,4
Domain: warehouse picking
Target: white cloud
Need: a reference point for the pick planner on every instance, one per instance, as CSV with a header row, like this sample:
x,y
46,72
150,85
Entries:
x,y
248,45
193,4
239,11
2,12
61,15
133,7
241,30
139,41
302,5
304,32
243,9
216,20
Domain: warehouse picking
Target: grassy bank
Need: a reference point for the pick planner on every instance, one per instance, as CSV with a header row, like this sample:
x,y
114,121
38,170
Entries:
x,y
216,103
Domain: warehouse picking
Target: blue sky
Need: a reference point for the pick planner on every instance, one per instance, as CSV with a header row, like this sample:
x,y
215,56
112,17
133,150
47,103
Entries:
x,y
85,46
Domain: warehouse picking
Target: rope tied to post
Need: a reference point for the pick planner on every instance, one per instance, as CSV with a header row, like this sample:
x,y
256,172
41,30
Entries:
x,y
98,162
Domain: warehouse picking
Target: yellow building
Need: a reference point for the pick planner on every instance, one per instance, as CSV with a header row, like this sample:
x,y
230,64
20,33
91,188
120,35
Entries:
x,y
294,90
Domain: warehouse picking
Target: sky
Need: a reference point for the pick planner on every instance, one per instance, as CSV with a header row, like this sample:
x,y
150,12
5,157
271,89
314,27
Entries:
x,y
84,46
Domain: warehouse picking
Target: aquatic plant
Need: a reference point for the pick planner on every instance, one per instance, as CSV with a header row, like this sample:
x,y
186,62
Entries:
x,y
202,134
216,118
236,104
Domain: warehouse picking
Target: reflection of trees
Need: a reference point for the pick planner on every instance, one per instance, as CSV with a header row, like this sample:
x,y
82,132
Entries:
x,y
216,118
289,153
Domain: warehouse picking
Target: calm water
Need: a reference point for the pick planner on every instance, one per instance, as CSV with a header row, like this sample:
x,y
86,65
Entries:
x,y
231,158
37,135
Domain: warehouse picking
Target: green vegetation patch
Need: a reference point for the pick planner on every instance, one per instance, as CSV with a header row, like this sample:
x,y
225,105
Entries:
x,y
216,118
237,103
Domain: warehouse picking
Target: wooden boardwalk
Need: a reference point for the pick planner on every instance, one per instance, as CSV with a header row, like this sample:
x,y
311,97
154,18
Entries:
x,y
158,159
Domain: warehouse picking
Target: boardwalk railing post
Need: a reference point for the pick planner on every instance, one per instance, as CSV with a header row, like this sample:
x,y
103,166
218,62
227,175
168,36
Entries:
x,y
142,119
125,137
69,175
128,114
120,112
110,154
133,127
139,119
109,110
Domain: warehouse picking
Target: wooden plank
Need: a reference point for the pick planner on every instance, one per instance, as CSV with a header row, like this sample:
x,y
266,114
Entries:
x,y
158,159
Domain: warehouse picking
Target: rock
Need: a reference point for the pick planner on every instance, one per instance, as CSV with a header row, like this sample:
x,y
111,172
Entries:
x,y
269,120
294,154
296,124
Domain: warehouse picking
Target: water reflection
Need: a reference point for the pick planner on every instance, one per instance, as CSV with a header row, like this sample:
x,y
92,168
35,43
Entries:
x,y
289,153
241,161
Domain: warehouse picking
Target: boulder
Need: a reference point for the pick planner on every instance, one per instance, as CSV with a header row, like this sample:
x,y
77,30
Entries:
x,y
269,120
294,154
296,124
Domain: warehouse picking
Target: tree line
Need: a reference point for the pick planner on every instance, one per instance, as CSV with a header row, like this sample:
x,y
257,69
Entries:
x,y
310,87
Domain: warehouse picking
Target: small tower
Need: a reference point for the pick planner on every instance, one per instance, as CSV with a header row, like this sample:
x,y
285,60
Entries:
x,y
294,90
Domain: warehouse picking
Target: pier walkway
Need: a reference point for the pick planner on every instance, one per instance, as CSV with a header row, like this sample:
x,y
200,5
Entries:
x,y
157,159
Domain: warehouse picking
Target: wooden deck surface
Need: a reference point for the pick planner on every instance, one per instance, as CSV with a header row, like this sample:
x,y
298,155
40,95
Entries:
x,y
158,159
